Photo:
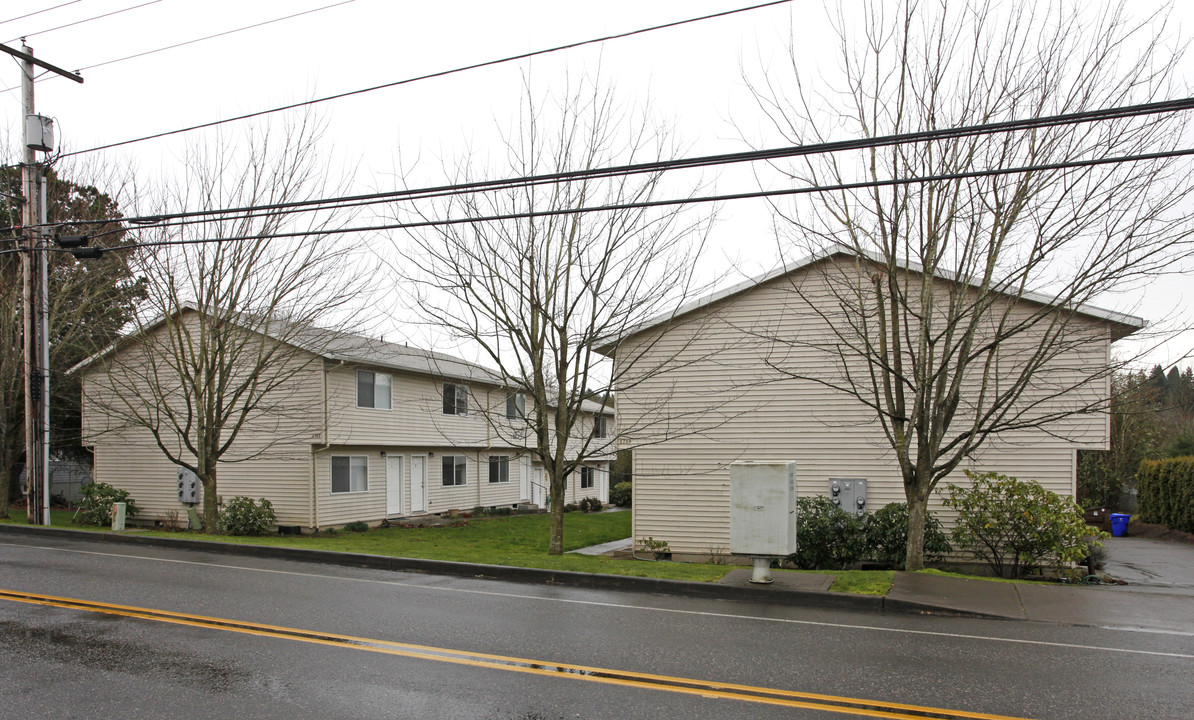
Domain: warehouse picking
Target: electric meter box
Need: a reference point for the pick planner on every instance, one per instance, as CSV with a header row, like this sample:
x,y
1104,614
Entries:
x,y
849,494
763,508
188,486
39,132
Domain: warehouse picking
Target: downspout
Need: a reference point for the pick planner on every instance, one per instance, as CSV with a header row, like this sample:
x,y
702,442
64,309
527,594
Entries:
x,y
488,440
326,444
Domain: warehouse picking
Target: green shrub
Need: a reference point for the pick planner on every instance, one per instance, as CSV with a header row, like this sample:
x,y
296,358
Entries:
x,y
244,516
590,504
98,499
571,507
357,526
621,494
886,537
1016,526
1166,492
827,537
481,511
658,548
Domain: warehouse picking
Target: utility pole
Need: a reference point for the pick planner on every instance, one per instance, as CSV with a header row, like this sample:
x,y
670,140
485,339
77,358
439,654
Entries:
x,y
35,294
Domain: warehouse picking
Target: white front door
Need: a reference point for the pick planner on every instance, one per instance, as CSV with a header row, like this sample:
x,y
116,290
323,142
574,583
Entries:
x,y
418,483
524,479
602,483
393,485
538,489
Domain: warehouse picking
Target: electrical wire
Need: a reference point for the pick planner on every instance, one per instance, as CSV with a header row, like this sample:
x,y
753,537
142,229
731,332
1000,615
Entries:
x,y
671,202
247,212
192,42
38,12
80,22
441,73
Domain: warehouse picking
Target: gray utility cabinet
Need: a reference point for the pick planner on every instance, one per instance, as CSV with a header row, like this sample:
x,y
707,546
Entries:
x,y
849,494
763,508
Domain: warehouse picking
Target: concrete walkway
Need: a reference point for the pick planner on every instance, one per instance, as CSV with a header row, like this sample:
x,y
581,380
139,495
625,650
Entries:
x,y
605,548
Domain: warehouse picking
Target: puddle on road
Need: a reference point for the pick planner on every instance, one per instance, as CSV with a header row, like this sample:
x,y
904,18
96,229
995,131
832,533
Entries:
x,y
78,644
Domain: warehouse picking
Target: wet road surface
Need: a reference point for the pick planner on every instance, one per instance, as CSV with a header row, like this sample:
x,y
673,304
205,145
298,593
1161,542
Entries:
x,y
151,633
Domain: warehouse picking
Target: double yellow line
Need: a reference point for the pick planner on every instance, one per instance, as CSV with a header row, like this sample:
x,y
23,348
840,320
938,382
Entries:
x,y
688,686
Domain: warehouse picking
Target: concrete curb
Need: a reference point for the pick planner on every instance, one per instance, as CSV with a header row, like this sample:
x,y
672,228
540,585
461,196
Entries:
x,y
538,576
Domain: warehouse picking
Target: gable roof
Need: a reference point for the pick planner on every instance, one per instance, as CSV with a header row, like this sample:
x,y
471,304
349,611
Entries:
x,y
1126,324
344,347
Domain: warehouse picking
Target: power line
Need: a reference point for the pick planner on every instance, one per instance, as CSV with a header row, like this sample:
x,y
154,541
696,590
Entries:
x,y
38,12
80,22
671,202
441,73
196,40
166,220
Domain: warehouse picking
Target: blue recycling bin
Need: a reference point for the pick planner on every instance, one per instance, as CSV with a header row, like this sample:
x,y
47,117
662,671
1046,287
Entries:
x,y
1119,524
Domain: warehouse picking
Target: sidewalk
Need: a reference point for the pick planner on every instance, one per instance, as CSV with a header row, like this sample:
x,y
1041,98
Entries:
x,y
1159,596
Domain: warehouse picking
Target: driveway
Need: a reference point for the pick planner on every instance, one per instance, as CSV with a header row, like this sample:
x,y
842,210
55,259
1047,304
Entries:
x,y
1156,566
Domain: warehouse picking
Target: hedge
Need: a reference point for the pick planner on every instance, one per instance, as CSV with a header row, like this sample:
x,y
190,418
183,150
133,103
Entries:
x,y
1166,492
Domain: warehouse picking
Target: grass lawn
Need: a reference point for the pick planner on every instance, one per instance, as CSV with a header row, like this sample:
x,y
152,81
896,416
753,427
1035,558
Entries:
x,y
516,540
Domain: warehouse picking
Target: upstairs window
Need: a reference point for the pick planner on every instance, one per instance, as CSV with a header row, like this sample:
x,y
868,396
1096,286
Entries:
x,y
599,426
586,478
516,406
373,390
499,468
455,399
455,470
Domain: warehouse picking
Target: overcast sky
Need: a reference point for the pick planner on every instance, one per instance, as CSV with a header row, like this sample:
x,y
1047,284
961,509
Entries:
x,y
691,76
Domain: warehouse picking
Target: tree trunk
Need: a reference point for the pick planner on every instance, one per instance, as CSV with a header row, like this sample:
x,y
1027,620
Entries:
x,y
556,544
6,462
211,512
918,510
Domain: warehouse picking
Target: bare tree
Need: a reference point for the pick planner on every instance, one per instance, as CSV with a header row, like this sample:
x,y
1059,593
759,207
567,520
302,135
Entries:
x,y
229,326
538,294
934,325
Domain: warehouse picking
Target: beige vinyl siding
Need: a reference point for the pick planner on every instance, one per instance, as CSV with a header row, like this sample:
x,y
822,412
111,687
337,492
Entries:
x,y
270,457
416,415
600,490
286,456
370,506
133,462
717,405
340,508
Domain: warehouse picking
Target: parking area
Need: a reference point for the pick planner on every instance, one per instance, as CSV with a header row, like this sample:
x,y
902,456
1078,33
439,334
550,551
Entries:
x,y
1152,565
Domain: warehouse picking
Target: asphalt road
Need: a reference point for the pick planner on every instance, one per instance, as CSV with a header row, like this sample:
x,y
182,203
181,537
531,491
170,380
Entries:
x,y
88,631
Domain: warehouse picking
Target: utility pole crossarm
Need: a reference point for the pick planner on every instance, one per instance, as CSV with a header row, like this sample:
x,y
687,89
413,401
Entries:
x,y
41,63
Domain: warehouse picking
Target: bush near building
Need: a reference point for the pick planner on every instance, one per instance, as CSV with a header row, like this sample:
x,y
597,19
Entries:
x,y
1016,527
245,516
96,506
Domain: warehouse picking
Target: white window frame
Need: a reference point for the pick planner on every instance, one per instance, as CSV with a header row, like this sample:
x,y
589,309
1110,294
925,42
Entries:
x,y
460,395
516,406
500,464
600,427
379,393
588,477
460,471
361,481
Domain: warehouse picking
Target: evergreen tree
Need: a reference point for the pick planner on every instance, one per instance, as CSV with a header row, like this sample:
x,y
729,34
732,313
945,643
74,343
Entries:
x,y
90,301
